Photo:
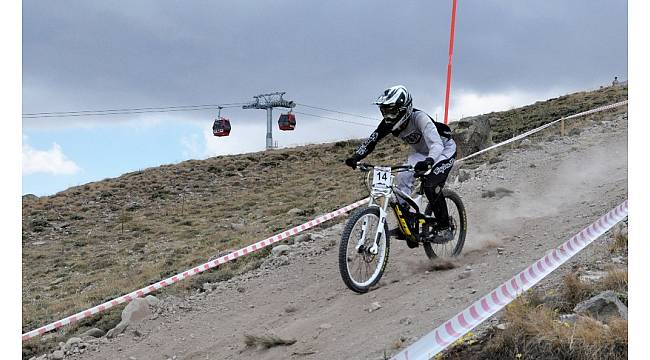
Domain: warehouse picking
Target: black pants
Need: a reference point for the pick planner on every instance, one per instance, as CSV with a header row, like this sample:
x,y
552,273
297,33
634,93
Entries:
x,y
433,184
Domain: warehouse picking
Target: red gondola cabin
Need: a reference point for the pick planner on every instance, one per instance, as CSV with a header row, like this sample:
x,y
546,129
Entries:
x,y
287,121
221,127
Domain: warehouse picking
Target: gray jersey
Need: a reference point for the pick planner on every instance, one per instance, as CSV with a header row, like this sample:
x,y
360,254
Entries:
x,y
426,137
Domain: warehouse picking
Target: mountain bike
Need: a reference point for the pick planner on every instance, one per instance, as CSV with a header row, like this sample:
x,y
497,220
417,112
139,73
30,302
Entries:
x,y
365,242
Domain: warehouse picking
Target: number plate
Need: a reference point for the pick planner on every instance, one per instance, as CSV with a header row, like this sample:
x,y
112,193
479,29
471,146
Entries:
x,y
382,177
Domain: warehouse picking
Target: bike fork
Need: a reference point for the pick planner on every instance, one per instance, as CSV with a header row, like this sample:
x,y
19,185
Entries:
x,y
374,249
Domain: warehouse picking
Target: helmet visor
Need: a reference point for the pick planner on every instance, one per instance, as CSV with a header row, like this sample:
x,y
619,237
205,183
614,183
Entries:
x,y
391,113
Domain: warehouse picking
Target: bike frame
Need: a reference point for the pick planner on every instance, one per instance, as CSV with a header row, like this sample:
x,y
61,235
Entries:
x,y
381,198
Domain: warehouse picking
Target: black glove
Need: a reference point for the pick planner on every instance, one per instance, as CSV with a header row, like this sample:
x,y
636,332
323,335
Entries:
x,y
351,162
424,165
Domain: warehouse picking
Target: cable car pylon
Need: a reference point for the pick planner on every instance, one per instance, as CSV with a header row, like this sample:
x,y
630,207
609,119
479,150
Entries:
x,y
268,102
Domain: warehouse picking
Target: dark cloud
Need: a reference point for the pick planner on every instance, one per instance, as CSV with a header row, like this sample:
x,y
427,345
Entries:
x,y
102,54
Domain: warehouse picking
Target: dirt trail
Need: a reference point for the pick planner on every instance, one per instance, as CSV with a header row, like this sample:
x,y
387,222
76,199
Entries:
x,y
558,188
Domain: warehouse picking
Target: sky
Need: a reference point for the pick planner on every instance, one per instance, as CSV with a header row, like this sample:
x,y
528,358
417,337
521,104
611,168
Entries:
x,y
338,55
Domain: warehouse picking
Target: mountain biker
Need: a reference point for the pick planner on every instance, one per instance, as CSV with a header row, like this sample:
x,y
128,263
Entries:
x,y
432,148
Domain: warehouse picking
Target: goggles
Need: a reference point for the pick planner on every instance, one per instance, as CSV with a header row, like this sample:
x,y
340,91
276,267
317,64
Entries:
x,y
390,112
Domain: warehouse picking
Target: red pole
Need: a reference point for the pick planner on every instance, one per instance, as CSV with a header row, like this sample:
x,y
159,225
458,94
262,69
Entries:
x,y
451,52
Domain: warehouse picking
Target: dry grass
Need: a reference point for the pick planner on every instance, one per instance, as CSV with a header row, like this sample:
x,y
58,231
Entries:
x,y
266,341
620,240
575,290
517,121
535,332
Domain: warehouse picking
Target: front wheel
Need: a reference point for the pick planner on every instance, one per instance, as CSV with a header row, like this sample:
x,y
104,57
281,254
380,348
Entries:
x,y
359,267
458,224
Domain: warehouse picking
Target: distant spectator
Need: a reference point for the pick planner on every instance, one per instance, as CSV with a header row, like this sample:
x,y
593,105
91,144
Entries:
x,y
615,82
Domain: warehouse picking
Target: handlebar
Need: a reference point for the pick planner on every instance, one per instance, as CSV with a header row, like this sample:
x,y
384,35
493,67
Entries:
x,y
367,167
397,168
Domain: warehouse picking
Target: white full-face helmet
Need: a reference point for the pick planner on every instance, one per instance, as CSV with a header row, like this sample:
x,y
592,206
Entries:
x,y
396,106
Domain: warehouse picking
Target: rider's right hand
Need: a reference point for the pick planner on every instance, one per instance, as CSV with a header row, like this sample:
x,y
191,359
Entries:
x,y
351,162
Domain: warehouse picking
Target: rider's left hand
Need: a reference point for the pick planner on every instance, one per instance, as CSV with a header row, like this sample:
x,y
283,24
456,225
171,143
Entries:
x,y
424,165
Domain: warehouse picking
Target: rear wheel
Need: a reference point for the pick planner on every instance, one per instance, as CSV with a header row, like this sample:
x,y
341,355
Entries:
x,y
458,223
359,267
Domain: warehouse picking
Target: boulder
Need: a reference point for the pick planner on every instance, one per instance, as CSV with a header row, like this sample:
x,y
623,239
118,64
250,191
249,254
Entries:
x,y
136,310
602,306
471,134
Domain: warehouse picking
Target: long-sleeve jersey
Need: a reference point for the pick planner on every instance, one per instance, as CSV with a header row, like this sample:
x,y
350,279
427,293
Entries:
x,y
427,137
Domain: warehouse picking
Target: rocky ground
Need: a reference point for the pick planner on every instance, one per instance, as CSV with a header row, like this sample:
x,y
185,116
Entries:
x,y
520,204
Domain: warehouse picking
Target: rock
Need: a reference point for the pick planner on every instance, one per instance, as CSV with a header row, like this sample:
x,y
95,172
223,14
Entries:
x,y
57,355
501,326
135,311
374,307
207,286
592,276
406,321
72,341
238,227
296,212
602,306
525,143
30,197
471,134
500,250
316,237
325,326
152,300
464,175
94,332
464,275
574,132
569,318
302,238
280,250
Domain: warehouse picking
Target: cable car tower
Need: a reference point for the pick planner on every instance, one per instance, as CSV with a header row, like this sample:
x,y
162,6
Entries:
x,y
268,102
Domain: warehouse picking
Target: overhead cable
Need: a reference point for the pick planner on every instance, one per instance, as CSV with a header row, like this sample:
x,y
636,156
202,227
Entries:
x,y
128,111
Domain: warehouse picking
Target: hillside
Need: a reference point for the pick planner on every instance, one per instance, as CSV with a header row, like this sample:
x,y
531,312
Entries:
x,y
88,244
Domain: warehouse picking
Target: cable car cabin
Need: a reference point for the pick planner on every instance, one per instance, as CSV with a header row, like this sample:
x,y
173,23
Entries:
x,y
287,121
221,127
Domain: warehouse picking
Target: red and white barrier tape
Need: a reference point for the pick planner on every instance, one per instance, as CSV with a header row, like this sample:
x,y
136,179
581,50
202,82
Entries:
x,y
185,274
452,330
538,129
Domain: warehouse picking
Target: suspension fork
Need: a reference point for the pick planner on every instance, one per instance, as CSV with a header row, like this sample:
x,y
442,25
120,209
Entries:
x,y
380,227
